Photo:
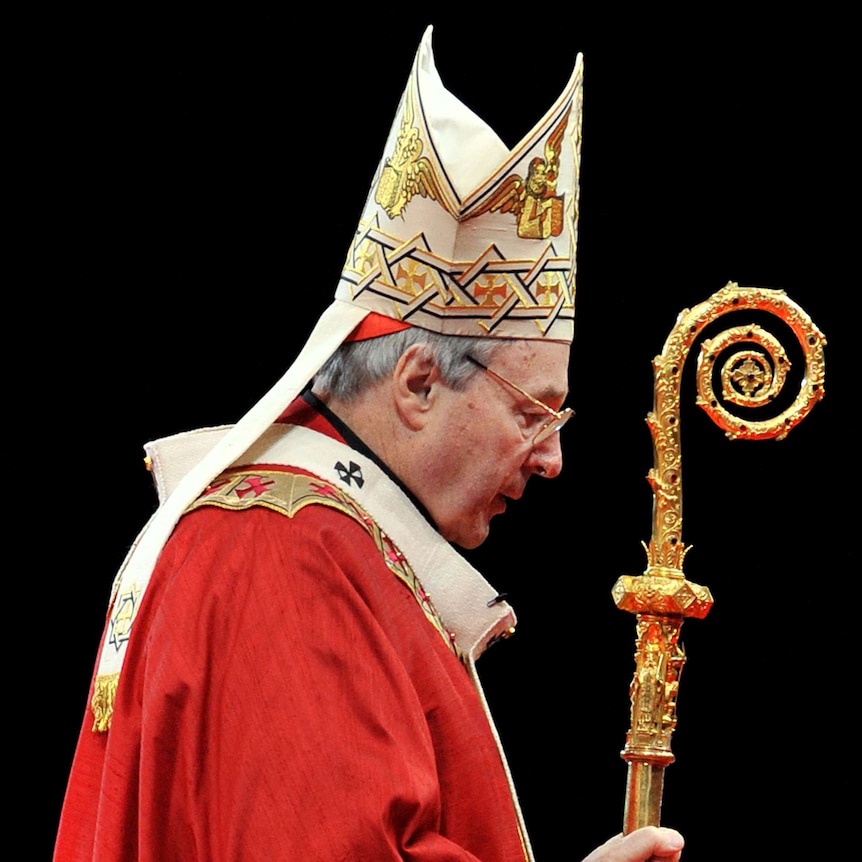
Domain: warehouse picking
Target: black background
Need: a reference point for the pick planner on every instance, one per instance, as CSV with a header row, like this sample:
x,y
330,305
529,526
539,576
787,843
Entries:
x,y
192,183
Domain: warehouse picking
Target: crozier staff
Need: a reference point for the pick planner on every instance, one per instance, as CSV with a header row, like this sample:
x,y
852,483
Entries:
x,y
288,669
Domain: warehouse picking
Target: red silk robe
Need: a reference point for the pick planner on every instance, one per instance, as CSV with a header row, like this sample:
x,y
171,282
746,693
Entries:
x,y
285,697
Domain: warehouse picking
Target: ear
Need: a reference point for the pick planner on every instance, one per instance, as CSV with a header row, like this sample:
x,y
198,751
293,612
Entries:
x,y
416,384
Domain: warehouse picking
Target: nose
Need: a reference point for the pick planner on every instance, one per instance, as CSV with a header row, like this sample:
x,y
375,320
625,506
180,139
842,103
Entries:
x,y
546,459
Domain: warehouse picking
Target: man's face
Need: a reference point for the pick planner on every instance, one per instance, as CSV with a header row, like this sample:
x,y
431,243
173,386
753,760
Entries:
x,y
486,432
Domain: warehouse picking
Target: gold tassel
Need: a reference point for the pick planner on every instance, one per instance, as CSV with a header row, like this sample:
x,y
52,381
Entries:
x,y
102,704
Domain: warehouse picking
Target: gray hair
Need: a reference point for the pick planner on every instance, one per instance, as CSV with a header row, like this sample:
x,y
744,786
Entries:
x,y
357,365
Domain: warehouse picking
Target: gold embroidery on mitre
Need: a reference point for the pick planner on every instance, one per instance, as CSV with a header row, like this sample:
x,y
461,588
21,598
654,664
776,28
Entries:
x,y
536,207
490,289
500,261
549,288
415,278
406,172
411,279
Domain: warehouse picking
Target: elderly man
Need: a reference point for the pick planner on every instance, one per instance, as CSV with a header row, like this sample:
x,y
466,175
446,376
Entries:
x,y
288,670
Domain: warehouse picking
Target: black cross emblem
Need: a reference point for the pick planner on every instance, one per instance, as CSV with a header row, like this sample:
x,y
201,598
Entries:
x,y
350,474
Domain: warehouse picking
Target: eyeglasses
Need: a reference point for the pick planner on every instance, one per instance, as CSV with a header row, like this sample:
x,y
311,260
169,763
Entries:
x,y
549,428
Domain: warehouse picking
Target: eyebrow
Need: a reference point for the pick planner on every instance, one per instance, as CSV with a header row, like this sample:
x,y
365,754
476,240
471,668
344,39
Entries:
x,y
546,394
552,392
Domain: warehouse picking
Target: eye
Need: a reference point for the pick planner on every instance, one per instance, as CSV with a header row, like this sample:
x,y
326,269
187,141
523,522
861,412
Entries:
x,y
532,417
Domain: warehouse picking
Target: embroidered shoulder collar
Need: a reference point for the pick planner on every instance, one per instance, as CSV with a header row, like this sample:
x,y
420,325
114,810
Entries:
x,y
465,601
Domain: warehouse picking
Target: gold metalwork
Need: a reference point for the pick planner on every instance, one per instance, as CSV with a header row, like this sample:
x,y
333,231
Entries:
x,y
752,367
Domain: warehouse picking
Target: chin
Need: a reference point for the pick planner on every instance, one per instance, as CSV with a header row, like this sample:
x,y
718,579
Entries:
x,y
467,538
469,544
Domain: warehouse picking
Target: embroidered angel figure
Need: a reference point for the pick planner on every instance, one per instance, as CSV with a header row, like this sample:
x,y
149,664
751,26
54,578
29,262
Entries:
x,y
406,172
538,210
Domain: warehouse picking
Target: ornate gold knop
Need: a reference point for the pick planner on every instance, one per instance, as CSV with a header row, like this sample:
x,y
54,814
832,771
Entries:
x,y
751,366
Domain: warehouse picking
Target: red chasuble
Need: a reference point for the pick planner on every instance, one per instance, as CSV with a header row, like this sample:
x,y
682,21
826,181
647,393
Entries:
x,y
285,697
